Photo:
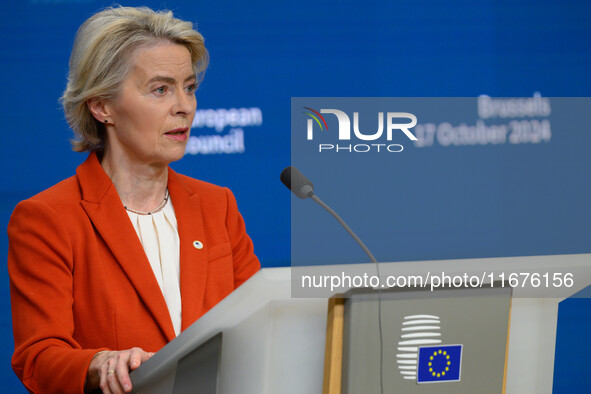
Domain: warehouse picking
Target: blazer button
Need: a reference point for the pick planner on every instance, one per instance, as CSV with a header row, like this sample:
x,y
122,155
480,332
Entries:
x,y
198,244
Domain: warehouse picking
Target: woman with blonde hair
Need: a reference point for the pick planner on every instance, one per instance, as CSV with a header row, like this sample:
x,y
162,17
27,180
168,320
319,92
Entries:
x,y
109,265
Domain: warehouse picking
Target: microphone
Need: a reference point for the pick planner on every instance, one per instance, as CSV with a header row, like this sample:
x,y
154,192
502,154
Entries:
x,y
297,182
302,187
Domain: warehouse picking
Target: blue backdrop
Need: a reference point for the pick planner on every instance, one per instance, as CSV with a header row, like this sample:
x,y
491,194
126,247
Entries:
x,y
265,52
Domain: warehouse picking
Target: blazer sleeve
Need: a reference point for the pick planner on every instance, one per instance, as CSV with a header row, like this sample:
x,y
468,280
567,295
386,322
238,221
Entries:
x,y
40,266
246,264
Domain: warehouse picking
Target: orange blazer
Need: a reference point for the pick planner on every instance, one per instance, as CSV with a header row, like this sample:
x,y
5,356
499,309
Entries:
x,y
80,281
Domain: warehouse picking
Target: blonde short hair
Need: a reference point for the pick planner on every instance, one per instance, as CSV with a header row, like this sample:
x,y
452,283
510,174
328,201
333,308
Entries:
x,y
102,57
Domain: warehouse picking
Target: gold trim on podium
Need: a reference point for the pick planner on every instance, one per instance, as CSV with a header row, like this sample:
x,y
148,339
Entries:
x,y
333,354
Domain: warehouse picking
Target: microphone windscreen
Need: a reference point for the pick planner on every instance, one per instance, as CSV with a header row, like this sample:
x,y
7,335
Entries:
x,y
295,181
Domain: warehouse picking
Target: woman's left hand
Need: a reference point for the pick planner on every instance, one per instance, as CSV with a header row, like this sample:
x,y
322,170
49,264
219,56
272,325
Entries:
x,y
109,370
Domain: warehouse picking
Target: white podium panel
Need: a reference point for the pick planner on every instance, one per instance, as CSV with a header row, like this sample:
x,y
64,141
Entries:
x,y
271,342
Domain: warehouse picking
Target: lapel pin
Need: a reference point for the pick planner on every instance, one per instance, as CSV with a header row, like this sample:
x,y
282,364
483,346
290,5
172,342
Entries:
x,y
198,244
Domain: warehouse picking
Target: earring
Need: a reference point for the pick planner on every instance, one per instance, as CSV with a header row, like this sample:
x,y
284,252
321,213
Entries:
x,y
106,120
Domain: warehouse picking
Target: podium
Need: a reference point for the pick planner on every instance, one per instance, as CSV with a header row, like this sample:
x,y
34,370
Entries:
x,y
260,340
271,342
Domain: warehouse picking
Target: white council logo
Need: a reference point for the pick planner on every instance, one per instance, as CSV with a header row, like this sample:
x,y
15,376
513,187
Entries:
x,y
344,132
421,356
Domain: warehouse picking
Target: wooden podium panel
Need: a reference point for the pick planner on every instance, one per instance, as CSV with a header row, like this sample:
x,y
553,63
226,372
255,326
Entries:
x,y
333,354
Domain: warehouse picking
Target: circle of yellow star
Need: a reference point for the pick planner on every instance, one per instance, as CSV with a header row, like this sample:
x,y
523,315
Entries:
x,y
444,368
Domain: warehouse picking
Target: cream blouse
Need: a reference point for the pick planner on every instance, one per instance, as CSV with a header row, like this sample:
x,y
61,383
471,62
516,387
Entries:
x,y
159,236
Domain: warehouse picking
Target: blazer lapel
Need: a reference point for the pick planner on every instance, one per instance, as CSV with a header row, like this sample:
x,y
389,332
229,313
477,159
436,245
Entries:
x,y
104,208
193,256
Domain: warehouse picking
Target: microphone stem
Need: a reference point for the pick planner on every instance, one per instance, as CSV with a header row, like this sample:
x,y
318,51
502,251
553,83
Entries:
x,y
342,222
373,259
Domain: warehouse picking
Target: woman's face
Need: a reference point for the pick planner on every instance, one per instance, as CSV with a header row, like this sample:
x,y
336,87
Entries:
x,y
151,119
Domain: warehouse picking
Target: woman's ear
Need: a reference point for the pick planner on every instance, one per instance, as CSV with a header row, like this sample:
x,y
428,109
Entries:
x,y
99,109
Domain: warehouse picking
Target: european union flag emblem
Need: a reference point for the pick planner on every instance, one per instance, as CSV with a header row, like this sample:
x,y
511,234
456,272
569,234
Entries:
x,y
439,363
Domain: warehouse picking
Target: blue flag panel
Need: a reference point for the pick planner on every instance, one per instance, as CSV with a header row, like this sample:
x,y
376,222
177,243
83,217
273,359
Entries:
x,y
439,364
